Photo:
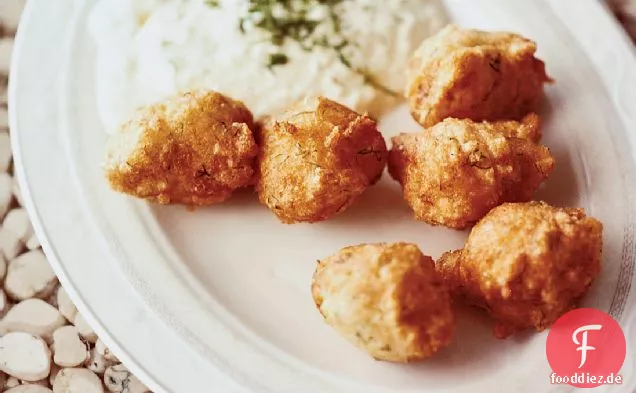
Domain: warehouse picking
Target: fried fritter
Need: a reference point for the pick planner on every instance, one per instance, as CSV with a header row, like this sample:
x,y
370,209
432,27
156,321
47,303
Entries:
x,y
385,299
478,75
195,148
453,173
526,263
316,159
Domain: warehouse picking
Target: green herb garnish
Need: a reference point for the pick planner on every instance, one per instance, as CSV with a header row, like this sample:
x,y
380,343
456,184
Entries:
x,y
293,20
212,3
288,19
277,59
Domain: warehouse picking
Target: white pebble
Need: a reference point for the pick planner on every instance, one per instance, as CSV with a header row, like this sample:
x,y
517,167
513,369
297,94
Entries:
x,y
68,349
84,329
105,352
4,94
3,266
100,347
97,363
119,380
5,152
24,356
4,305
77,380
6,49
6,185
10,11
34,316
110,356
4,119
42,382
11,382
30,388
55,369
10,244
30,275
52,300
18,222
15,188
33,242
65,305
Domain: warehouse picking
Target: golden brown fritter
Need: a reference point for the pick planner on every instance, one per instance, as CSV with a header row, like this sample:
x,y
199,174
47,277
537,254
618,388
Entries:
x,y
316,159
195,148
385,299
474,74
453,173
526,263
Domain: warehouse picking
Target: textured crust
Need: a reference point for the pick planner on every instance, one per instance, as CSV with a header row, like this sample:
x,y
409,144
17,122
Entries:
x,y
453,173
473,74
385,299
316,159
195,149
527,263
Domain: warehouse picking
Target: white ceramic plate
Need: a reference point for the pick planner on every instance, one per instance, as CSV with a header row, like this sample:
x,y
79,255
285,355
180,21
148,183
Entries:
x,y
218,300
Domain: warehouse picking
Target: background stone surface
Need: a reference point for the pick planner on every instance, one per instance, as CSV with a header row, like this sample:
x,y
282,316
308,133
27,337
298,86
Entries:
x,y
625,11
45,345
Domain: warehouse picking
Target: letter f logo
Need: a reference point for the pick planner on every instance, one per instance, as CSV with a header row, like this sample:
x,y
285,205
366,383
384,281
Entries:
x,y
583,344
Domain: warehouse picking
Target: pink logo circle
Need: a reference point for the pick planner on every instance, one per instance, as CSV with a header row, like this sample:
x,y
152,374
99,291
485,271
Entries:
x,y
586,347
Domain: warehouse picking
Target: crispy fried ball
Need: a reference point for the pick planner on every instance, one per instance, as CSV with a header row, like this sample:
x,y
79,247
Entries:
x,y
453,173
526,263
474,74
385,299
316,159
195,148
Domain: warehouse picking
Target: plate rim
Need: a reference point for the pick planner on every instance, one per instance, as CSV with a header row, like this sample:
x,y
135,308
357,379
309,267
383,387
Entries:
x,y
117,343
606,24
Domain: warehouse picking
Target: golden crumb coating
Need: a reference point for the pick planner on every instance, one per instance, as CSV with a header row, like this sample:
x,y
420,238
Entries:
x,y
453,173
526,263
386,299
195,148
316,159
465,73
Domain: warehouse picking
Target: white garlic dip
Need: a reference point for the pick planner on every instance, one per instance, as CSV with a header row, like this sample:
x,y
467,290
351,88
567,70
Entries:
x,y
148,50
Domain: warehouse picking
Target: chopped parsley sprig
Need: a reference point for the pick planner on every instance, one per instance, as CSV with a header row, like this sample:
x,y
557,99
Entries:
x,y
294,20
